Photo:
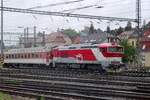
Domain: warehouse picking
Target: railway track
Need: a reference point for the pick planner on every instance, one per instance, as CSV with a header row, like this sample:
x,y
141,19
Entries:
x,y
102,90
84,89
52,72
108,86
60,95
75,72
129,81
71,76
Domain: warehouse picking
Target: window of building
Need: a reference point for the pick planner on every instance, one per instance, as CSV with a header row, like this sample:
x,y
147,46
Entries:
x,y
133,43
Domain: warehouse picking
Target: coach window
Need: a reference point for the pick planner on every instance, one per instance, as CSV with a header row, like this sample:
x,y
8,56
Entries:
x,y
12,56
36,55
25,55
40,55
7,56
28,55
21,55
18,55
32,56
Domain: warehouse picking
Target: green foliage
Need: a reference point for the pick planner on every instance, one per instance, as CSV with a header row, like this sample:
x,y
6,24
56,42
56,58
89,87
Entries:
x,y
129,51
13,82
42,98
70,32
5,96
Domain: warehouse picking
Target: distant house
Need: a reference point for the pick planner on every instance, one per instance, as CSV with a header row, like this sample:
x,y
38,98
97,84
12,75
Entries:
x,y
76,39
58,38
93,37
131,36
147,33
126,34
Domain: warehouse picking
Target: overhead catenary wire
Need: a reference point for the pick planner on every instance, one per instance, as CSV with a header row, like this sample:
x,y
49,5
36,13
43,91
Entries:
x,y
79,8
56,4
65,14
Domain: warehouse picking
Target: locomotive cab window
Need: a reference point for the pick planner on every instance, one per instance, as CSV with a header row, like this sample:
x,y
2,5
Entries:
x,y
115,49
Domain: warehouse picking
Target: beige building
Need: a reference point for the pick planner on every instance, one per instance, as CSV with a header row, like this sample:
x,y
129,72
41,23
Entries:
x,y
133,41
145,59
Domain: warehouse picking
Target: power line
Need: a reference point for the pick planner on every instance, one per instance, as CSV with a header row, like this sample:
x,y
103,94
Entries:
x,y
79,8
66,14
56,4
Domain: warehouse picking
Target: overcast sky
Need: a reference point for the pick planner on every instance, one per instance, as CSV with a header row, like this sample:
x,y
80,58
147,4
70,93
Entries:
x,y
112,8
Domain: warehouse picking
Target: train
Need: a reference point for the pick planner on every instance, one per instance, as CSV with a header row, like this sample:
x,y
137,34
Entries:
x,y
88,55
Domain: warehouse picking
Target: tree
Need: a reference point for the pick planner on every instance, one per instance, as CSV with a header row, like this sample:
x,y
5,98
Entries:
x,y
70,32
148,24
108,29
91,30
129,26
120,30
129,51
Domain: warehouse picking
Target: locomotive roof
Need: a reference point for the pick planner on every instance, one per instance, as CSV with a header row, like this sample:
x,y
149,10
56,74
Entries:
x,y
87,45
33,49
108,44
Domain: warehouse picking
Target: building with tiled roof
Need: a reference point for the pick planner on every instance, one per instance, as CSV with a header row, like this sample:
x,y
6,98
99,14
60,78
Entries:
x,y
56,38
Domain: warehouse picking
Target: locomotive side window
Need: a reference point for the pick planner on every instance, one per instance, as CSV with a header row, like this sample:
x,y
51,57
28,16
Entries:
x,y
103,49
72,47
89,47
